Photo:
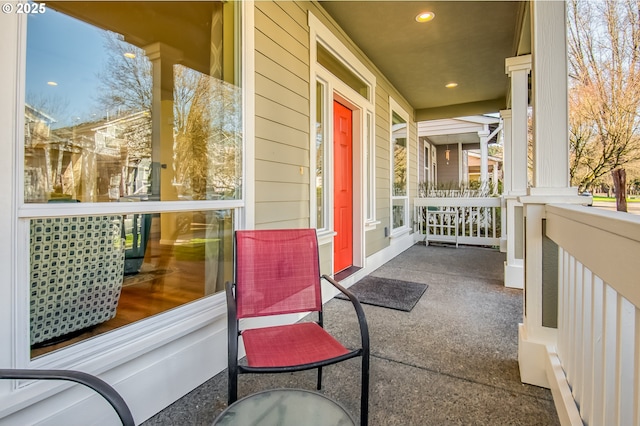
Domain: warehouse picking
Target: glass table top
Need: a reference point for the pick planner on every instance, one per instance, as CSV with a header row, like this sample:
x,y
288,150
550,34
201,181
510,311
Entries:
x,y
285,407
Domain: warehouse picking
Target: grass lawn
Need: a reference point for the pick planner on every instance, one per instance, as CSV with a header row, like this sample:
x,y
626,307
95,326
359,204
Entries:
x,y
633,199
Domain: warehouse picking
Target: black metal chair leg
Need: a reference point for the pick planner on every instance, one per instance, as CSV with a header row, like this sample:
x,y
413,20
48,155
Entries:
x,y
319,386
233,390
364,393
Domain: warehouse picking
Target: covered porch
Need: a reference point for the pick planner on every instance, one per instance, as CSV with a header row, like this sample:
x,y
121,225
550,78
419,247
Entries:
x,y
453,359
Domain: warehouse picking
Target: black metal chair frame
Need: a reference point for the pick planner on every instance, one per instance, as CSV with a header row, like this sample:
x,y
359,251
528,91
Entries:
x,y
98,385
235,368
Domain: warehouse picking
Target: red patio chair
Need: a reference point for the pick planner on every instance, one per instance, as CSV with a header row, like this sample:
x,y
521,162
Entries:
x,y
278,272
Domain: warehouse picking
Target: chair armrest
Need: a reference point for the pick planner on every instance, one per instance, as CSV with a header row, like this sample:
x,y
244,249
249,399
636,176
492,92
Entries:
x,y
232,325
362,321
100,386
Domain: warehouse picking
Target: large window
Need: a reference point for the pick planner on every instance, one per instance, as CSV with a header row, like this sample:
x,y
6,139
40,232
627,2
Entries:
x,y
132,161
399,161
108,120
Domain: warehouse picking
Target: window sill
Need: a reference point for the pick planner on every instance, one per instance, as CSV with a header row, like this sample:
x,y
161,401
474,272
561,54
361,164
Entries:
x,y
326,237
371,225
400,232
133,340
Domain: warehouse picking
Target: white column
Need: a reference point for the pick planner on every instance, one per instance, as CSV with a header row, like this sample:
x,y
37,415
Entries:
x,y
518,68
463,168
494,179
163,58
550,100
515,167
506,181
550,178
484,159
507,161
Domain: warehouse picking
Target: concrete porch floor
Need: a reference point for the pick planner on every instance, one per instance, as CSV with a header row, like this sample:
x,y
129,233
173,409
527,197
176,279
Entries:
x,y
452,360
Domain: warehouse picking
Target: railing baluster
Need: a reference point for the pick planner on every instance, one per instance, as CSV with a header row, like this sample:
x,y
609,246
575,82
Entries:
x,y
562,301
570,357
493,220
578,343
625,338
597,403
610,356
636,369
587,346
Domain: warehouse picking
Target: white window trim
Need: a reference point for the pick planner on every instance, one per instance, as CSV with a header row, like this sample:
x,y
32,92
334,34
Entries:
x,y
105,351
370,178
313,164
335,88
395,107
427,166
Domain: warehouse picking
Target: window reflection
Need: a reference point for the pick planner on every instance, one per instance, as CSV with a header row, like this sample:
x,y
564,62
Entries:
x,y
399,167
320,172
142,104
139,111
398,213
92,274
399,132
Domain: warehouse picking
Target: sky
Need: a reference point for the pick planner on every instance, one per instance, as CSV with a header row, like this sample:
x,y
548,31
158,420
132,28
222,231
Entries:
x,y
69,52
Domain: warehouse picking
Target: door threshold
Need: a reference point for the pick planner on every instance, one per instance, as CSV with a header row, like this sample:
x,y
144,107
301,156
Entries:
x,y
346,273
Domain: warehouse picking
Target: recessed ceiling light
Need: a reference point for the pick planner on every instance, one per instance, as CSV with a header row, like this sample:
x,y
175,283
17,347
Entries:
x,y
52,83
451,85
425,16
129,55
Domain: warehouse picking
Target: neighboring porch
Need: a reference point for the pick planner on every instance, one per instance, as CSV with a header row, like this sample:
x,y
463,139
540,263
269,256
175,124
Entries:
x,y
452,360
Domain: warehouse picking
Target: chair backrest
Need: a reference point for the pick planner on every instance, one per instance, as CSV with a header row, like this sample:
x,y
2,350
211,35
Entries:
x,y
277,272
77,266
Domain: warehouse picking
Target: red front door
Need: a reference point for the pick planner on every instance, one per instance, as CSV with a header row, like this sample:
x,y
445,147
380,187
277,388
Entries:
x,y
342,187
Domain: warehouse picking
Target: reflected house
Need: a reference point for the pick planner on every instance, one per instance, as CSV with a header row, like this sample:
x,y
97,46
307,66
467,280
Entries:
x,y
91,161
127,142
287,114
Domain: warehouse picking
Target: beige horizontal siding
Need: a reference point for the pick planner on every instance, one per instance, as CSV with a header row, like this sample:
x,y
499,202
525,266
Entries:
x,y
269,171
274,131
278,192
281,153
282,95
282,114
283,224
283,28
292,211
282,72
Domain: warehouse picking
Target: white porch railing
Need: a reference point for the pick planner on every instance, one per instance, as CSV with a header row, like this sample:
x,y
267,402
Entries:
x,y
598,312
473,220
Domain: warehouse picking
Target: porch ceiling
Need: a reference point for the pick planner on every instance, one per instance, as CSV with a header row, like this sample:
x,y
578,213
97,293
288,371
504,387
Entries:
x,y
466,43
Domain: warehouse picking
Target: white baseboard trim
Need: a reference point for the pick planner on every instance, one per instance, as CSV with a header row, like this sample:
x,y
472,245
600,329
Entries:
x,y
563,399
148,383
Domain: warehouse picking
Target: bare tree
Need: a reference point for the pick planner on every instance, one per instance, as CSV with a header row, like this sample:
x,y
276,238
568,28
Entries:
x,y
206,117
126,82
604,61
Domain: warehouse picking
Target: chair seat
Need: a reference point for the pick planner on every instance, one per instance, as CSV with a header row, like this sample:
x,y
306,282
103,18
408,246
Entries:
x,y
290,345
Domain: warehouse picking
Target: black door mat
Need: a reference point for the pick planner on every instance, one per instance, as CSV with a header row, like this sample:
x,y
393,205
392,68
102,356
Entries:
x,y
387,293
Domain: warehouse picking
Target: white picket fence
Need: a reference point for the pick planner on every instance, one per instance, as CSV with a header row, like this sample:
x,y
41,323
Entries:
x,y
598,340
472,221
